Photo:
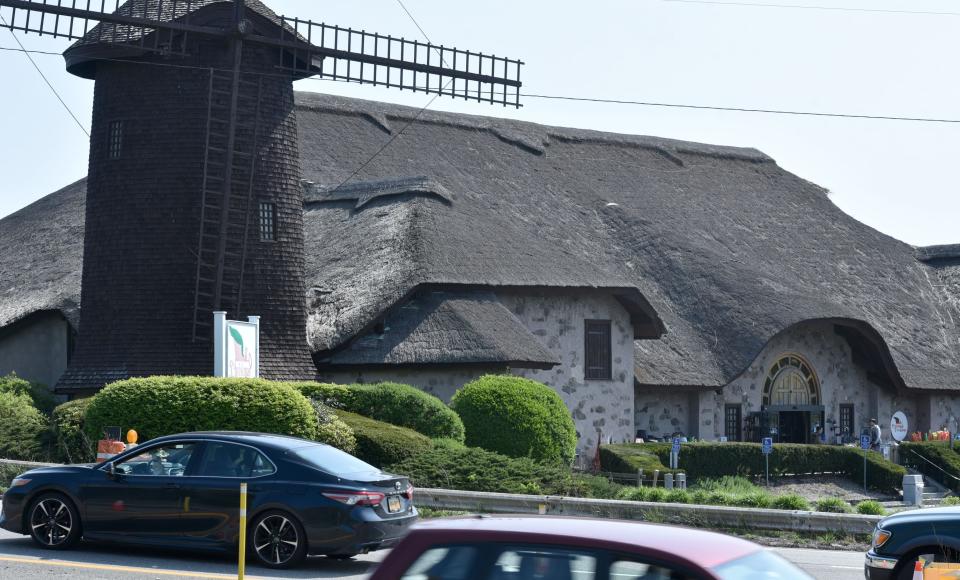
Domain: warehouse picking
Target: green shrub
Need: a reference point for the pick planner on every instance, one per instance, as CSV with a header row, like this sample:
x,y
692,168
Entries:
x,y
678,496
754,499
833,505
7,474
950,501
156,406
516,417
596,486
381,444
628,458
332,430
71,444
655,494
475,469
927,456
731,484
790,501
718,459
870,508
23,429
40,395
393,403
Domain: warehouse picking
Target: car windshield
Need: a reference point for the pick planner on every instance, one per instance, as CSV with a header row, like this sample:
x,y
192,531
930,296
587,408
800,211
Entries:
x,y
759,565
332,460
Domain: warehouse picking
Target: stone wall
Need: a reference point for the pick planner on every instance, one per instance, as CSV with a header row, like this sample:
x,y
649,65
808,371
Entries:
x,y
36,348
663,412
557,319
439,381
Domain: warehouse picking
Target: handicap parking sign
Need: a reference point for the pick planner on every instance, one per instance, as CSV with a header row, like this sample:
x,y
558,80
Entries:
x,y
676,445
865,442
767,445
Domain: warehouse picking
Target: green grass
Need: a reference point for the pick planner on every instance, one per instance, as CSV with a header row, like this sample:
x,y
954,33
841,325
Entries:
x,y
950,501
833,505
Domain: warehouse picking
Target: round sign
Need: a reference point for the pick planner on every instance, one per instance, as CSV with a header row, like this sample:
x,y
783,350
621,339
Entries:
x,y
131,436
898,426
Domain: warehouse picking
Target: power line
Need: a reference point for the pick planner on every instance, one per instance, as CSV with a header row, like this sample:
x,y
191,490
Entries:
x,y
812,7
575,98
44,77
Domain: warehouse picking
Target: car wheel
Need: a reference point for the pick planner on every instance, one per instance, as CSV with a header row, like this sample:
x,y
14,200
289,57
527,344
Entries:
x,y
277,540
54,523
904,570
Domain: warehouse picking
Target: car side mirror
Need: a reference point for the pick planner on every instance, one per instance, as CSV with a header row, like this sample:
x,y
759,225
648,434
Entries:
x,y
113,473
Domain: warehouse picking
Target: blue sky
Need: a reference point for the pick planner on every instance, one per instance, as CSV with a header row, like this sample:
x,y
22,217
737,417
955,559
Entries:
x,y
899,177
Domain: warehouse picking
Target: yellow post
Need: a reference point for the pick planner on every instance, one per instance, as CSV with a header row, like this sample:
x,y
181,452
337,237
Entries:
x,y
243,530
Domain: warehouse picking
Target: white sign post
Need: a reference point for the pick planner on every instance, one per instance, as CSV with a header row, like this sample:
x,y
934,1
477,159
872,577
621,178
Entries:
x,y
899,426
766,447
236,347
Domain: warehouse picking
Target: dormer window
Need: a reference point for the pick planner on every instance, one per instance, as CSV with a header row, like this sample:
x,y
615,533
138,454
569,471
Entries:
x,y
115,140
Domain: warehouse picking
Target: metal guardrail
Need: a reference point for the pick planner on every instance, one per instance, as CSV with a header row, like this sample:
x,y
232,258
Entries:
x,y
700,515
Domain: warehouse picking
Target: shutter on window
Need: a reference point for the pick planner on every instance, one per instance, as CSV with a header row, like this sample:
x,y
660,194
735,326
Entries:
x,y
597,351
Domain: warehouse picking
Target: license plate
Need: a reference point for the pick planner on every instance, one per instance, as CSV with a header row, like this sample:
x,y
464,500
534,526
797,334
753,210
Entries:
x,y
393,504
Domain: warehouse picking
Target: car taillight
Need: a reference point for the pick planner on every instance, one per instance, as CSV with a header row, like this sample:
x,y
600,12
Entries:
x,y
408,493
355,497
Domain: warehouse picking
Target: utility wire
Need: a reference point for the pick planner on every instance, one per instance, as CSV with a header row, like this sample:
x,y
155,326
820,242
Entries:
x,y
812,7
572,98
44,77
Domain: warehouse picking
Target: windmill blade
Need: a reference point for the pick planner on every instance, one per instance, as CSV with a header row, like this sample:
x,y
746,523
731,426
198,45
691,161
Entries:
x,y
332,52
147,24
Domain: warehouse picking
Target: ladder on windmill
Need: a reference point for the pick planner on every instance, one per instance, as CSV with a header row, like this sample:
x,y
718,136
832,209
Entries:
x,y
226,208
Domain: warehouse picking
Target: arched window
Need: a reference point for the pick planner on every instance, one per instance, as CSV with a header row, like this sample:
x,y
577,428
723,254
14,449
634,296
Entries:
x,y
791,381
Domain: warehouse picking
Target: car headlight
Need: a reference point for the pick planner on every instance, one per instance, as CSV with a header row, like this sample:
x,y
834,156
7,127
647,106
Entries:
x,y
18,481
880,537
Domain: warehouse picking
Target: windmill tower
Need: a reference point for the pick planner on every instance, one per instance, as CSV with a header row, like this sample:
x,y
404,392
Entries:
x,y
194,201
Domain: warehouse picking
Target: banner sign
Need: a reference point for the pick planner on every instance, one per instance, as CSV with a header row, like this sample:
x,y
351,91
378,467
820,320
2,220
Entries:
x,y
236,347
898,426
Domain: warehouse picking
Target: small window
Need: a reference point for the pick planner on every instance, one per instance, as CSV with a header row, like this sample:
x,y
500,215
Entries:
x,y
268,221
115,140
228,460
447,563
733,415
598,363
846,419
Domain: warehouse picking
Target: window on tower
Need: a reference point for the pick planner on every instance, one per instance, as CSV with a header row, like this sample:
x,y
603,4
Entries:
x,y
598,363
115,141
268,221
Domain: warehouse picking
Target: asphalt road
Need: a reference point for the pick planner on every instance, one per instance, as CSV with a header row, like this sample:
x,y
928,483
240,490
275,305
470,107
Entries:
x,y
19,559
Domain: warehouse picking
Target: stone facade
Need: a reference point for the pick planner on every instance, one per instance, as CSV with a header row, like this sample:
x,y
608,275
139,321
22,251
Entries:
x,y
37,349
663,412
558,320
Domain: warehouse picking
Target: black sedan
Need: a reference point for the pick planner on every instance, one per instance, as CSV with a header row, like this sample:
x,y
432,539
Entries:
x,y
183,491
931,535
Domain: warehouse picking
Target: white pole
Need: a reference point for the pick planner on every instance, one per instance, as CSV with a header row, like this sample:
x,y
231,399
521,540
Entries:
x,y
255,320
219,344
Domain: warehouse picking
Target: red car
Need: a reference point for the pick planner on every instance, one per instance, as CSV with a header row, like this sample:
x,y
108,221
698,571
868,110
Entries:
x,y
555,548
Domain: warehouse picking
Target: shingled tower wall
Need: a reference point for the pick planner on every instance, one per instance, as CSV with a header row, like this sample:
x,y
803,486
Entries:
x,y
143,220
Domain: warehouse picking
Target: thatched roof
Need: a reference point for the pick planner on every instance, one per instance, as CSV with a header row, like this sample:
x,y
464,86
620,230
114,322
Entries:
x,y
42,257
728,248
437,327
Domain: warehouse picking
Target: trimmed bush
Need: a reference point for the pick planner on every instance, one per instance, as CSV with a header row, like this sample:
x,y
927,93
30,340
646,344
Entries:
x,y
156,406
927,456
870,508
718,459
39,394
381,444
628,458
393,403
833,505
790,501
332,430
23,429
516,417
475,469
71,444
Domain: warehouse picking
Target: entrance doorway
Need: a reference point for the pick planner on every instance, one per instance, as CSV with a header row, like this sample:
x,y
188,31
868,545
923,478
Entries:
x,y
794,426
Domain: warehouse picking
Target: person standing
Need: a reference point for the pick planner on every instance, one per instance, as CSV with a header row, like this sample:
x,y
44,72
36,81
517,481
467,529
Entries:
x,y
875,435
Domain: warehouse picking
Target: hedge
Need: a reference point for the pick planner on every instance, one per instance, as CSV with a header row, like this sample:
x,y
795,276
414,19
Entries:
x,y
394,403
628,458
332,430
516,417
156,406
70,443
40,395
23,429
939,454
381,444
475,469
718,459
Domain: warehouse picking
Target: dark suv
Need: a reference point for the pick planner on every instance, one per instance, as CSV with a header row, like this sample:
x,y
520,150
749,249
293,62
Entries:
x,y
899,540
